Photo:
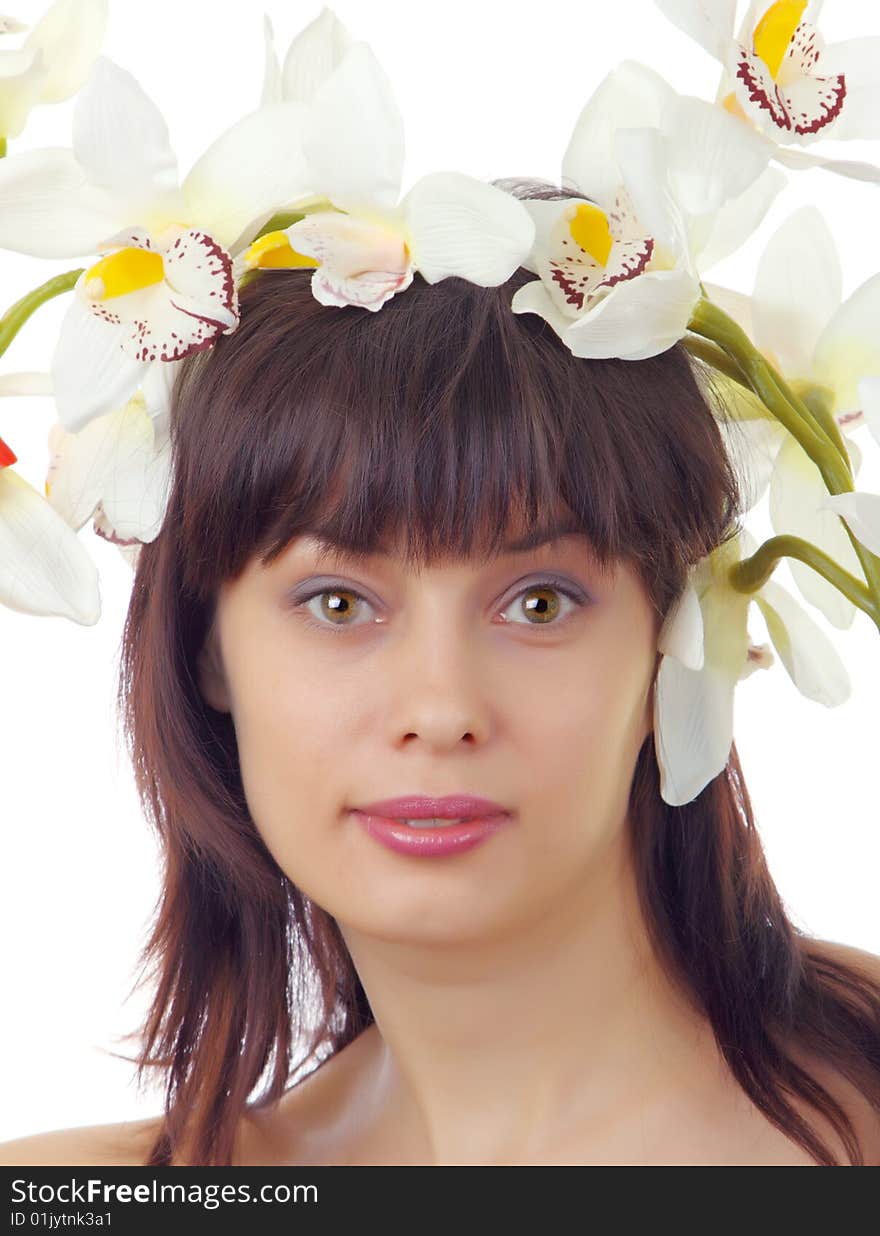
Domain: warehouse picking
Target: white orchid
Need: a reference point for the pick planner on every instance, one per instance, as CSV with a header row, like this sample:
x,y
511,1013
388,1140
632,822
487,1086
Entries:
x,y
707,651
44,567
782,80
116,471
669,185
165,287
371,244
797,318
313,54
52,63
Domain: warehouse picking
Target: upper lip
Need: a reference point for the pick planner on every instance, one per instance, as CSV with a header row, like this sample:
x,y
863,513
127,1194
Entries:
x,y
420,807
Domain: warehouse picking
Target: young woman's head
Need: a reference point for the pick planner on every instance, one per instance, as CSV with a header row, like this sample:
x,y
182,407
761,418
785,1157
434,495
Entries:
x,y
387,617
353,597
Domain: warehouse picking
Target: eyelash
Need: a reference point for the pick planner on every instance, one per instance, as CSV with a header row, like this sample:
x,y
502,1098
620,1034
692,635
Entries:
x,y
550,582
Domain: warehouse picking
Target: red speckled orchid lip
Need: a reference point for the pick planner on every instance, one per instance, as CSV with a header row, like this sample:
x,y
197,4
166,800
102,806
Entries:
x,y
421,807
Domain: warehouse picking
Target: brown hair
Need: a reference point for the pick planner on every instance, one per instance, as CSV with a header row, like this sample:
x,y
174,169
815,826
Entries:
x,y
436,417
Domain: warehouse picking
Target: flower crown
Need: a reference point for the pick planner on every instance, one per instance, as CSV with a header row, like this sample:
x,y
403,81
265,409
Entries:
x,y
664,185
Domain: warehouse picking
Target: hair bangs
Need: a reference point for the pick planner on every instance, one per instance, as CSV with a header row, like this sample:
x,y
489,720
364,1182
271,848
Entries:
x,y
440,427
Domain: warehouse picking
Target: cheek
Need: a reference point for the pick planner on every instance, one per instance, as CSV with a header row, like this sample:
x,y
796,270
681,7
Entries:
x,y
583,731
290,731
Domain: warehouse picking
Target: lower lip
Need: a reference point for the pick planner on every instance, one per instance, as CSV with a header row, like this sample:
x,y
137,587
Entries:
x,y
451,839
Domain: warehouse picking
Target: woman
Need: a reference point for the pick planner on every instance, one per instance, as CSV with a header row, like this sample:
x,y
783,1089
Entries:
x,y
353,598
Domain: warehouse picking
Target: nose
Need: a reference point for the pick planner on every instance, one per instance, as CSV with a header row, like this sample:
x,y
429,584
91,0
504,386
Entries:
x,y
441,692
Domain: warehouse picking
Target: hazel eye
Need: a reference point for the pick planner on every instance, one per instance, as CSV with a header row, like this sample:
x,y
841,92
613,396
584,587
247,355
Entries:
x,y
543,605
334,614
330,609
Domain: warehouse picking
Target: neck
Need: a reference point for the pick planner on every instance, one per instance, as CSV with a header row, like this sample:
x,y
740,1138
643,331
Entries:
x,y
487,1048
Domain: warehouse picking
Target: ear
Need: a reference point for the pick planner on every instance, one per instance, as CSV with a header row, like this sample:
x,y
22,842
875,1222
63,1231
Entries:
x,y
211,675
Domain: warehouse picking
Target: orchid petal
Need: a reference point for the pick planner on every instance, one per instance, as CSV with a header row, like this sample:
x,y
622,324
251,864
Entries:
x,y
272,89
693,709
44,568
631,96
157,387
69,34
91,373
638,318
643,159
116,461
798,289
30,382
708,22
313,55
681,635
253,169
737,220
796,489
862,512
368,290
855,170
534,298
849,347
859,61
712,156
796,108
48,209
348,245
465,227
195,304
545,214
804,649
359,262
23,74
110,109
693,728
353,136
869,400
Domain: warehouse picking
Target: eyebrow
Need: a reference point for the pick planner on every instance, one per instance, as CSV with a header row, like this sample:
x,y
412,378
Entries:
x,y
542,536
531,540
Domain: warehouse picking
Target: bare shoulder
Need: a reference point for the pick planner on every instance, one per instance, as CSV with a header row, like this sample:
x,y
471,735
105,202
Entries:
x,y
321,1120
856,1104
126,1144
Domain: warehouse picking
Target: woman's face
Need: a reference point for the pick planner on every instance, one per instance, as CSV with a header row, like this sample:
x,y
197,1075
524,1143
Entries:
x,y
353,681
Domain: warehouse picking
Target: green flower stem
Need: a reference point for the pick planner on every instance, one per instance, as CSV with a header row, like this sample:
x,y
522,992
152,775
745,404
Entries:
x,y
713,323
710,321
752,573
2,147
709,352
820,401
16,316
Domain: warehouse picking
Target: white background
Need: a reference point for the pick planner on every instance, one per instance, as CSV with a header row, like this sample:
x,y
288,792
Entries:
x,y
491,89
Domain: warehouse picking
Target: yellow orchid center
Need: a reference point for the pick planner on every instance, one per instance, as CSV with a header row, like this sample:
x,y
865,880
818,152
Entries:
x,y
126,270
773,32
589,228
274,249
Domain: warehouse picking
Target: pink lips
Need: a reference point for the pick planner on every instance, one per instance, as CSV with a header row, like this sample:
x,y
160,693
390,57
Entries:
x,y
378,819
